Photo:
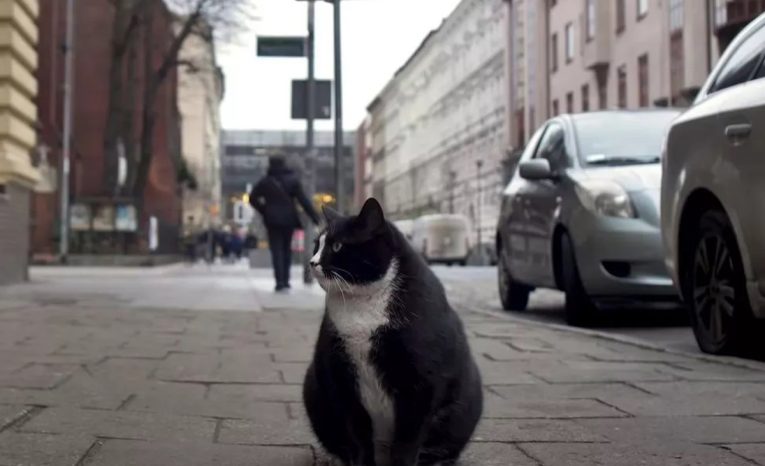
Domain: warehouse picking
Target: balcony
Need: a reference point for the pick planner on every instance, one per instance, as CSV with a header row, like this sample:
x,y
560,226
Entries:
x,y
597,49
732,15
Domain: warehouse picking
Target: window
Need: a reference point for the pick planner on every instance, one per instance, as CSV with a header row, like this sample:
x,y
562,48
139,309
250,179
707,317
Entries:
x,y
553,147
621,140
569,42
761,72
586,98
621,15
643,79
742,64
555,108
602,96
570,102
621,79
554,52
642,8
590,19
676,15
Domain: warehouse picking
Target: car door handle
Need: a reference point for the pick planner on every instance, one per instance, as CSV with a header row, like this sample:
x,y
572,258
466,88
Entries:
x,y
738,131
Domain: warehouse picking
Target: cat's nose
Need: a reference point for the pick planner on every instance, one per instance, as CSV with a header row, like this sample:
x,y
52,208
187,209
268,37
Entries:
x,y
313,264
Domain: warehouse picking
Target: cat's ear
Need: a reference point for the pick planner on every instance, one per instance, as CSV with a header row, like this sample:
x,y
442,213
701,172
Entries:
x,y
330,214
371,219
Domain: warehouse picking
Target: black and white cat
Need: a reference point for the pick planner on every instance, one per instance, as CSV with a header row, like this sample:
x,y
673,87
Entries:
x,y
392,380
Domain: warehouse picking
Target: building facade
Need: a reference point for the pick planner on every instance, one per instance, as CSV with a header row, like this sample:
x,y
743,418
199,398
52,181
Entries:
x,y
362,186
18,115
200,92
442,116
245,161
584,55
97,198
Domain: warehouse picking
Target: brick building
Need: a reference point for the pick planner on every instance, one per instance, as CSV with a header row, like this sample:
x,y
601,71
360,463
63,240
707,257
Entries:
x,y
18,113
89,185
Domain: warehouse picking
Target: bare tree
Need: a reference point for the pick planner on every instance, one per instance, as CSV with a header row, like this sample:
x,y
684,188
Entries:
x,y
206,19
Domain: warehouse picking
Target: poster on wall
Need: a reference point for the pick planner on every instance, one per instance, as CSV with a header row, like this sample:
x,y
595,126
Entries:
x,y
103,219
126,219
153,233
79,217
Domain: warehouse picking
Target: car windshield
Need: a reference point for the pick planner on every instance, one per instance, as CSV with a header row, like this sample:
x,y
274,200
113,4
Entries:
x,y
621,138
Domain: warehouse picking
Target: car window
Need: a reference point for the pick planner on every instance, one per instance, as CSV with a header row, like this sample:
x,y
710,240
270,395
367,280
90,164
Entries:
x,y
531,147
742,64
631,137
760,71
553,147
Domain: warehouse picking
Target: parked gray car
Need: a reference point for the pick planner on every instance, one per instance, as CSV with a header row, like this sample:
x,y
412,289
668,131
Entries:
x,y
713,200
581,213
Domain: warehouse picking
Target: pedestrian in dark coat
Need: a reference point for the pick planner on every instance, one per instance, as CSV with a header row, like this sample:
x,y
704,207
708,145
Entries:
x,y
274,198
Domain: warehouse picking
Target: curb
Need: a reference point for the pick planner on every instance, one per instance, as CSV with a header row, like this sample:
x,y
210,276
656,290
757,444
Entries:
x,y
636,342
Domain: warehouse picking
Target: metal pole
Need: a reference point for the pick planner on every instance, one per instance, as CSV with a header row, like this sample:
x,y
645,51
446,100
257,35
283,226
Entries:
x,y
67,136
338,111
479,164
452,187
309,149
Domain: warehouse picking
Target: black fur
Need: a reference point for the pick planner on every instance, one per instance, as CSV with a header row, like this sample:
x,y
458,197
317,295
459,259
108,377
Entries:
x,y
423,357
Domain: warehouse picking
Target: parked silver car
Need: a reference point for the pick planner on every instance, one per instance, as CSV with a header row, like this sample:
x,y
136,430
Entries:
x,y
581,213
713,199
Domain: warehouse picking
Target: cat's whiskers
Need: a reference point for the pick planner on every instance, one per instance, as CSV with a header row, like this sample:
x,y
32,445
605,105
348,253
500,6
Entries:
x,y
336,280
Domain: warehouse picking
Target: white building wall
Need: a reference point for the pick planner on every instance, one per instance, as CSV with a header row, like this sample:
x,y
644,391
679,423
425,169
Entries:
x,y
200,90
444,111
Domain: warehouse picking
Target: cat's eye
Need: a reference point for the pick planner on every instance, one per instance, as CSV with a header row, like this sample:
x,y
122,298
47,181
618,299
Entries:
x,y
336,247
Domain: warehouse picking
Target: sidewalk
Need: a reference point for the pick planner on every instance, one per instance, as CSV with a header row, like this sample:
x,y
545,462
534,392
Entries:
x,y
203,366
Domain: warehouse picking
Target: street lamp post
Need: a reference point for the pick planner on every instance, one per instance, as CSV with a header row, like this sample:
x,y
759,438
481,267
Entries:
x,y
452,187
310,165
480,256
67,136
340,196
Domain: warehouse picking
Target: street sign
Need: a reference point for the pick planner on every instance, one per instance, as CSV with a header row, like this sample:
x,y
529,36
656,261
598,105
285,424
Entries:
x,y
322,99
272,46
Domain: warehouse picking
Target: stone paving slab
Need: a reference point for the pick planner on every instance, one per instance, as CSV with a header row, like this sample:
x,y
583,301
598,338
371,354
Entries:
x,y
685,454
98,378
136,453
18,449
121,424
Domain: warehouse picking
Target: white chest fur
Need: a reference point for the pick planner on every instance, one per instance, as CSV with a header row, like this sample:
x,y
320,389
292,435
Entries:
x,y
357,314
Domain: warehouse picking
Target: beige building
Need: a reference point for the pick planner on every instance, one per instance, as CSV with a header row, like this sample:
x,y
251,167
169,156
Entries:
x,y
440,116
582,55
18,114
200,91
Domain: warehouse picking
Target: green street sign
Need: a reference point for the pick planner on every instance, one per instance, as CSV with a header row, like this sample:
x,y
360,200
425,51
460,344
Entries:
x,y
271,46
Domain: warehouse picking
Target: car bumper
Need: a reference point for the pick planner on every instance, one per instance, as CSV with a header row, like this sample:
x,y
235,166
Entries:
x,y
621,257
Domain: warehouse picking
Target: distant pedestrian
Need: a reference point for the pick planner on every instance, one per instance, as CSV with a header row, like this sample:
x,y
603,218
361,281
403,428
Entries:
x,y
274,198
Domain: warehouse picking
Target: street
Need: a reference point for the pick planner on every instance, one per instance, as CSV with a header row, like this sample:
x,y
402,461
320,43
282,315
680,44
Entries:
x,y
203,365
667,328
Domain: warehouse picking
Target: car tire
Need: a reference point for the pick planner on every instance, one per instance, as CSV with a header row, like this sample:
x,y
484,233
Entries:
x,y
463,263
513,295
714,288
579,309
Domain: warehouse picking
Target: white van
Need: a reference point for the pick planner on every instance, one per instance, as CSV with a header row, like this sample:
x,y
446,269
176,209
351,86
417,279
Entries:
x,y
442,238
405,227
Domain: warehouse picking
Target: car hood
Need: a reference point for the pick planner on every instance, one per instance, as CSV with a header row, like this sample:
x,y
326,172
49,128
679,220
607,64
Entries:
x,y
631,178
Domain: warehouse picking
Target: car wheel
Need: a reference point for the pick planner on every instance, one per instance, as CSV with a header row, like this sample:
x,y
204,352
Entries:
x,y
513,295
715,290
463,263
579,308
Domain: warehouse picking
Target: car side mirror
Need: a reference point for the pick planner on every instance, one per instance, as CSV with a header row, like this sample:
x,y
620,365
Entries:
x,y
536,169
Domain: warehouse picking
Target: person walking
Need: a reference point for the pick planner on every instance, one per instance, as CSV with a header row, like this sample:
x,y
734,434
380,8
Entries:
x,y
274,198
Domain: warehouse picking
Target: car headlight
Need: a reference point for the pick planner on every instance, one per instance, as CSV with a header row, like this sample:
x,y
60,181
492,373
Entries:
x,y
605,198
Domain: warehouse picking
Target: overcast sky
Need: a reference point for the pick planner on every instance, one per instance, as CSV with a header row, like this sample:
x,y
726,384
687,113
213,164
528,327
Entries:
x,y
378,37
